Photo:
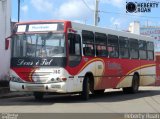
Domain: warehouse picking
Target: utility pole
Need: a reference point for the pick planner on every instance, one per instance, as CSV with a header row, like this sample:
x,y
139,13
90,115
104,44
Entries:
x,y
19,2
96,13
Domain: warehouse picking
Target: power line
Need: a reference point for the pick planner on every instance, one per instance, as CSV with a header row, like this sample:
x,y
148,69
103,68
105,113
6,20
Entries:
x,y
101,11
87,5
128,14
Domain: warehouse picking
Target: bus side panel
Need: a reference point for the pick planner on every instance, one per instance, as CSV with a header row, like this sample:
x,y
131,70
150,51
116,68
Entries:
x,y
112,73
126,72
147,73
157,70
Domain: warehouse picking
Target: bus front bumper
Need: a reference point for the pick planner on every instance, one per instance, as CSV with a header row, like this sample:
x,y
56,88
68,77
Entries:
x,y
32,87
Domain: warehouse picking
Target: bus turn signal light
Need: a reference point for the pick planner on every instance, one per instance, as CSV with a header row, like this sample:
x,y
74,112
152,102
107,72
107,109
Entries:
x,y
64,79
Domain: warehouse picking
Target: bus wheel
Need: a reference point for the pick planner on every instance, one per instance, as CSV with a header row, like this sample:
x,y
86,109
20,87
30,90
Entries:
x,y
85,90
99,92
38,95
135,85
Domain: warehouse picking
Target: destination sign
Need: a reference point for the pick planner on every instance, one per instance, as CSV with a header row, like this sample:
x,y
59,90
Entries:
x,y
41,27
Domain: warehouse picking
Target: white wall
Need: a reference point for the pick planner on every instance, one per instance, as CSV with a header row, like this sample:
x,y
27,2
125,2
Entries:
x,y
5,16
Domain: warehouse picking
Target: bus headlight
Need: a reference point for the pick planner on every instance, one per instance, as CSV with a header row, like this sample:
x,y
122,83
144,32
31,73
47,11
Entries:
x,y
53,80
57,80
16,79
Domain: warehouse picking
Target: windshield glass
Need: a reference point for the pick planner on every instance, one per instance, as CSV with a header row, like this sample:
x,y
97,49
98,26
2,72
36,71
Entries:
x,y
39,45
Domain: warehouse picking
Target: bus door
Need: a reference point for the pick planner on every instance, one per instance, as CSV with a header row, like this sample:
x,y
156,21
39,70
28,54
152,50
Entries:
x,y
74,46
99,74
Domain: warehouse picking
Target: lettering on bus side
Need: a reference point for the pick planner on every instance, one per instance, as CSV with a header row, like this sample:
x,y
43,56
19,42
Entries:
x,y
113,65
116,67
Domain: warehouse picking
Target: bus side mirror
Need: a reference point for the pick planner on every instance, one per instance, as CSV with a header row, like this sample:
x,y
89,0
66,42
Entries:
x,y
6,43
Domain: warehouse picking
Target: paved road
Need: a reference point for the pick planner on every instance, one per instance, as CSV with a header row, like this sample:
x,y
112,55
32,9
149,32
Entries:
x,y
147,100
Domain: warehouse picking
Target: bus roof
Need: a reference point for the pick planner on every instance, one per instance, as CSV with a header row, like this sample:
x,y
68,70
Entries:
x,y
80,26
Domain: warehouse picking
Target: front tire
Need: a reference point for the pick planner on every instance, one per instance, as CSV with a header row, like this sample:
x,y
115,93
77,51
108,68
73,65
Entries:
x,y
86,89
135,84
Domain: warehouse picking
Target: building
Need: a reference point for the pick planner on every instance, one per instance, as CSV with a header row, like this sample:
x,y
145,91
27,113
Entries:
x,y
134,27
153,31
5,18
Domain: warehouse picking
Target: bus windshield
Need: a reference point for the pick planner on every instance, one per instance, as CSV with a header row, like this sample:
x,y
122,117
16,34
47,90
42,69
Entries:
x,y
39,45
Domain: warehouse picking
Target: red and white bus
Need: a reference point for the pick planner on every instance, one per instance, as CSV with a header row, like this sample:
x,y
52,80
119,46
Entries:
x,y
67,57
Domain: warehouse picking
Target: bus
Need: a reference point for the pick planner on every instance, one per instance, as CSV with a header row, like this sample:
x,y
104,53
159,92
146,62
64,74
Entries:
x,y
58,56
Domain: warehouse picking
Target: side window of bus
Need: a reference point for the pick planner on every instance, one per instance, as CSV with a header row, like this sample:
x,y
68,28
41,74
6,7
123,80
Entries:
x,y
150,50
100,44
112,46
142,49
88,43
134,48
123,47
74,44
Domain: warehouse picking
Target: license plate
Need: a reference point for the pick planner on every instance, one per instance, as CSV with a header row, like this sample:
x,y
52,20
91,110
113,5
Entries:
x,y
35,87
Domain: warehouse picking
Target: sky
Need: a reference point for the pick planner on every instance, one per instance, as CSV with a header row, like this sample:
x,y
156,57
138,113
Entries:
x,y
112,12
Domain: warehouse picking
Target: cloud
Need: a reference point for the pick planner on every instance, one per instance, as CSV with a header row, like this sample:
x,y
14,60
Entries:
x,y
117,22
42,5
24,8
79,21
73,9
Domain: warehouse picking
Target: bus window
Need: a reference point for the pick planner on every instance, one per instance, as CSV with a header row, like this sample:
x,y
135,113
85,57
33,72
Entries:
x,y
39,45
133,43
88,36
112,48
74,44
142,49
123,47
17,48
88,43
100,43
150,50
